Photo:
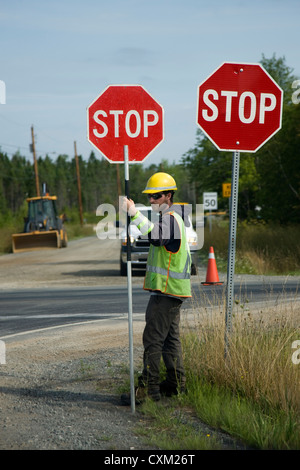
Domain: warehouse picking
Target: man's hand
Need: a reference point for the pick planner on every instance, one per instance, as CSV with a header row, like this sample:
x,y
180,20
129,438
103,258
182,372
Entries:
x,y
128,206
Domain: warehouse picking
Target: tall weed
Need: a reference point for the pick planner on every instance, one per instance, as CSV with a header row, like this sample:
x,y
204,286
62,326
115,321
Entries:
x,y
258,370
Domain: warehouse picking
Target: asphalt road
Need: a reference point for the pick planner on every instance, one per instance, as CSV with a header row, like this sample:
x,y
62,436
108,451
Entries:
x,y
33,309
48,288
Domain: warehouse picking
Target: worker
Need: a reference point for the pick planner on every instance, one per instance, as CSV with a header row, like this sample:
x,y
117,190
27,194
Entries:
x,y
168,280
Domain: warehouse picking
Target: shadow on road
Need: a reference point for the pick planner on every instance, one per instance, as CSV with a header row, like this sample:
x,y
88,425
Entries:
x,y
61,395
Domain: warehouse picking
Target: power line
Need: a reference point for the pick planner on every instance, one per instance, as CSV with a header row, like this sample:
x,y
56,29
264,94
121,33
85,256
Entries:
x,y
15,146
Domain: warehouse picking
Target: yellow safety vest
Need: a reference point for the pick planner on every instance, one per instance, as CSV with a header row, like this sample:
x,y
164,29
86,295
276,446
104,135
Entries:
x,y
170,272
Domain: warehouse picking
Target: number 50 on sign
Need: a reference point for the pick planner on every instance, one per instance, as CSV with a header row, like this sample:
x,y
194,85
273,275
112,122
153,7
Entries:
x,y
210,201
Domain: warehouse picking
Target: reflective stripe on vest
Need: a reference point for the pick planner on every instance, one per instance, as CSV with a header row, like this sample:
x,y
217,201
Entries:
x,y
175,275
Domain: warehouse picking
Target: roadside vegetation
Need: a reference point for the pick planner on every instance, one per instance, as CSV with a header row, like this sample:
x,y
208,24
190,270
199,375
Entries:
x,y
261,248
251,393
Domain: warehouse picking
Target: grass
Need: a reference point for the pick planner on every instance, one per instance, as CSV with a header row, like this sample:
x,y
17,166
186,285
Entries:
x,y
256,403
75,230
170,428
6,238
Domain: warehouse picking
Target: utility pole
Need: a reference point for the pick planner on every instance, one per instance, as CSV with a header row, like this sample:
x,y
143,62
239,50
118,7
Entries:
x,y
78,184
37,183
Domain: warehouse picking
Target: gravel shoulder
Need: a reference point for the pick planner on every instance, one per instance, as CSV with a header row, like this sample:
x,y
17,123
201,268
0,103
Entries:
x,y
59,389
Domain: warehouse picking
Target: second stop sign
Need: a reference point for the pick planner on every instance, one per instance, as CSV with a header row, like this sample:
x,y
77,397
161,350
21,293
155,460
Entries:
x,y
239,107
125,115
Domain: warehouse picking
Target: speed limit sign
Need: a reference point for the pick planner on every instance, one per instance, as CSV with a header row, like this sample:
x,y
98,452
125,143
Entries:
x,y
210,201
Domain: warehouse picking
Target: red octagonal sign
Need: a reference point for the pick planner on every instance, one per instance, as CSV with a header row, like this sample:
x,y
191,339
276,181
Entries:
x,y
125,115
239,107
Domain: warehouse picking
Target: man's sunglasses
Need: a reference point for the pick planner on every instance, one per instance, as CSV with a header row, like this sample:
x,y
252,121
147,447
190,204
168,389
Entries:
x,y
155,196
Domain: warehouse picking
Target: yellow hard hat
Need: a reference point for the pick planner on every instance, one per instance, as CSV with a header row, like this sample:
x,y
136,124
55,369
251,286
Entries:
x,y
160,182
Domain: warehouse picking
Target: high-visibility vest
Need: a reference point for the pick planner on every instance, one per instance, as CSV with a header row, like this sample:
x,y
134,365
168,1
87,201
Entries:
x,y
170,272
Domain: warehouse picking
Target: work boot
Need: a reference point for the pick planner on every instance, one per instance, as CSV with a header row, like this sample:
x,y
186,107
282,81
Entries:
x,y
168,390
154,395
140,396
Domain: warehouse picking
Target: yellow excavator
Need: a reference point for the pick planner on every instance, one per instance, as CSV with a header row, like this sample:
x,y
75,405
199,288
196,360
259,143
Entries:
x,y
43,228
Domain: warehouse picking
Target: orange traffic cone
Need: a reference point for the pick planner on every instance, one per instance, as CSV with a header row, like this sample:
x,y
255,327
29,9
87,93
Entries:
x,y
212,277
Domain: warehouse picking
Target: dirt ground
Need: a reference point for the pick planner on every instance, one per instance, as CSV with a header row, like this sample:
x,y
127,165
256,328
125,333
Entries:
x,y
85,262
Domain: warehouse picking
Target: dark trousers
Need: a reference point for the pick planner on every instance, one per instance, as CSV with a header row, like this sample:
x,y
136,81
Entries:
x,y
161,339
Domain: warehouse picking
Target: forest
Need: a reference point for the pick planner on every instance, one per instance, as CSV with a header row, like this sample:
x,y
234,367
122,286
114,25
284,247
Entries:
x,y
269,180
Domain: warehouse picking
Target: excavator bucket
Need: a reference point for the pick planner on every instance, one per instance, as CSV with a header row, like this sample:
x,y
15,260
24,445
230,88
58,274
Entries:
x,y
35,241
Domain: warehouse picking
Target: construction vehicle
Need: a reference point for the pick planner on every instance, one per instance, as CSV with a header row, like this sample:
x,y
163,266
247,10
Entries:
x,y
43,228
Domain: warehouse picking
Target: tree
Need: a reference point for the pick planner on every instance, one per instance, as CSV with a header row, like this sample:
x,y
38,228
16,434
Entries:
x,y
278,161
207,167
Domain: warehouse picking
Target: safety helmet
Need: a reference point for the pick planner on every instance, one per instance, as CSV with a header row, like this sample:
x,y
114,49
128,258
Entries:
x,y
160,182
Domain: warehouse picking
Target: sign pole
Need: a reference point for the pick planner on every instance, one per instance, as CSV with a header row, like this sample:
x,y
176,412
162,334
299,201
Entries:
x,y
125,112
231,246
129,285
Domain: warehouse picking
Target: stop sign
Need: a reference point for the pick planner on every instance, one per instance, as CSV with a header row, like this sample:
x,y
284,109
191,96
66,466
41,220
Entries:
x,y
125,115
239,107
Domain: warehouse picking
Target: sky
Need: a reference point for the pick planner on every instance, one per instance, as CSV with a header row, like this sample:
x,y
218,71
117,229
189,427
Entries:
x,y
57,56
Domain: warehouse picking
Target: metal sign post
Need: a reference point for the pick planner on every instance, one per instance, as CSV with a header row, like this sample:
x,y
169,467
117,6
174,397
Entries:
x,y
129,285
231,246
